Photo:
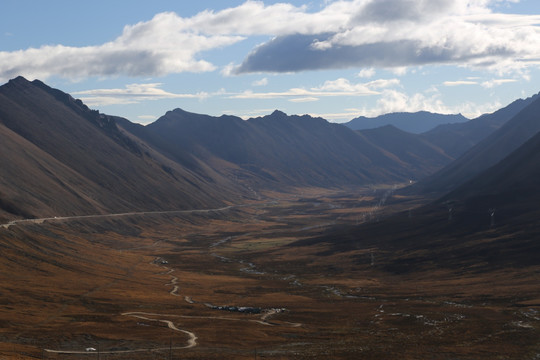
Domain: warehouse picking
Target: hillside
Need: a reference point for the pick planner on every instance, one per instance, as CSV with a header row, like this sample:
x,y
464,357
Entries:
x,y
485,154
487,224
422,156
511,182
61,158
455,139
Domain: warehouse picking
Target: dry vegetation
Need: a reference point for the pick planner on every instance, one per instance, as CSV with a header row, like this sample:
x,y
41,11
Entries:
x,y
143,287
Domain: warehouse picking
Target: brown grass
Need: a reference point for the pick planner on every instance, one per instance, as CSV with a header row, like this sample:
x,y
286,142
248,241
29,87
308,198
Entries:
x,y
66,285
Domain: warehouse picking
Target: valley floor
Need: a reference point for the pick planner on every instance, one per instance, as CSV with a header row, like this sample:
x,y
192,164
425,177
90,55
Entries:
x,y
233,283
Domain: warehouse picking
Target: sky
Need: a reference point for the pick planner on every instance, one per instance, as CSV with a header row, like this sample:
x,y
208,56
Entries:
x,y
335,59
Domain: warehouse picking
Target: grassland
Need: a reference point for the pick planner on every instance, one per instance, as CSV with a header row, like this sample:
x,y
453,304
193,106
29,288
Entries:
x,y
236,284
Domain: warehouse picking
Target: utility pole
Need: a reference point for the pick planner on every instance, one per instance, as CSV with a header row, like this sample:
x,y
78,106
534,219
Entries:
x,y
450,207
492,214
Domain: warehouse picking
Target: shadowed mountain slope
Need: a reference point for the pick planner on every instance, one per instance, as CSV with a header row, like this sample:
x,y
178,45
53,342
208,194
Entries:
x,y
485,154
281,150
60,158
422,156
456,139
488,223
511,181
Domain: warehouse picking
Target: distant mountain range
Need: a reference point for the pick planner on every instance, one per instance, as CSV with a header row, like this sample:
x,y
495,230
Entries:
x,y
280,150
415,123
61,158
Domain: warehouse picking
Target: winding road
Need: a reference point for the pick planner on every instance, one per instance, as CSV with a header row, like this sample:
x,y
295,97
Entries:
x,y
104,216
192,341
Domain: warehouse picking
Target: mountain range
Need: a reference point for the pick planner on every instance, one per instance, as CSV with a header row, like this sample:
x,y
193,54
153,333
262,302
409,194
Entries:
x,y
61,158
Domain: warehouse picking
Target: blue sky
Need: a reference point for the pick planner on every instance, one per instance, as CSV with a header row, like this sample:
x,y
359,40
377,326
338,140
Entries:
x,y
335,59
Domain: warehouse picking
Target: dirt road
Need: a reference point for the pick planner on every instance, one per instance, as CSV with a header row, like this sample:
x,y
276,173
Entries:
x,y
104,216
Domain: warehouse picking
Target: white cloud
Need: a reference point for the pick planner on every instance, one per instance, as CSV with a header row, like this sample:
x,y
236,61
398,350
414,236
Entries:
x,y
382,83
343,33
276,19
496,82
459,83
261,82
131,94
487,84
330,88
304,99
160,46
229,70
401,33
400,70
345,85
395,101
366,73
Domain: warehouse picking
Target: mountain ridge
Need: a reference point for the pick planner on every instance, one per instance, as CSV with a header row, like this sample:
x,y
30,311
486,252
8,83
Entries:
x,y
292,149
185,159
89,164
488,152
413,122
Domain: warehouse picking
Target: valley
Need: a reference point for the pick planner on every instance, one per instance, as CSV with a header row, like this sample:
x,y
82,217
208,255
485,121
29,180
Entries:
x,y
280,180
277,237
255,280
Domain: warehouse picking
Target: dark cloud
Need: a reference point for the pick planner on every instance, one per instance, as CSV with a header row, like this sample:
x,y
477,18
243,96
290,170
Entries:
x,y
392,10
295,53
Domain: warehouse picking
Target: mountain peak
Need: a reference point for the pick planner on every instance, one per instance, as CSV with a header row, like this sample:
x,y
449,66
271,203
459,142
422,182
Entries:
x,y
278,113
19,80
